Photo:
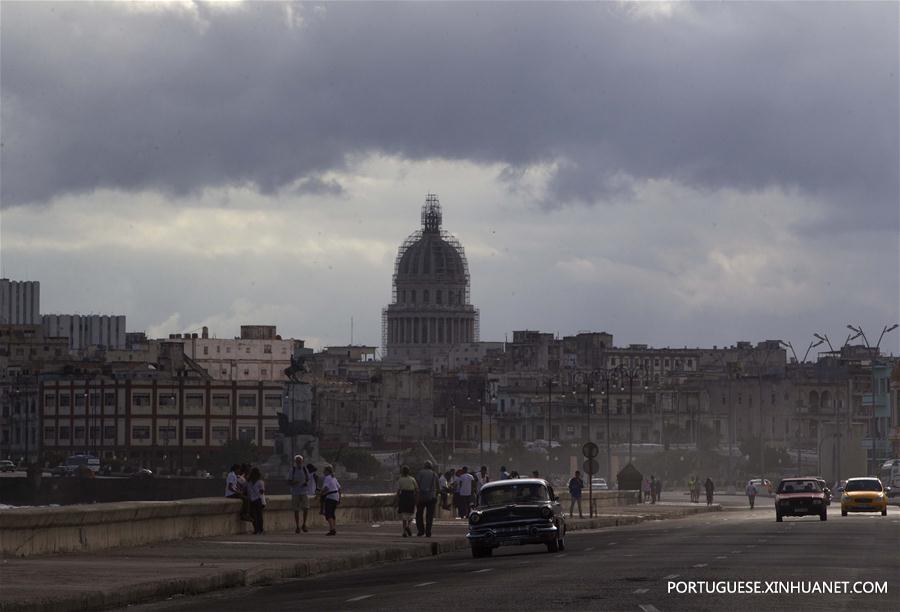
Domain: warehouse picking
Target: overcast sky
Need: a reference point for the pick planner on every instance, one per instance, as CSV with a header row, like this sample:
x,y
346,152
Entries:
x,y
672,174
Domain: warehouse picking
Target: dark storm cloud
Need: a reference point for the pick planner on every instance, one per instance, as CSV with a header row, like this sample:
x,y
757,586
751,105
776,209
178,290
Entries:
x,y
744,95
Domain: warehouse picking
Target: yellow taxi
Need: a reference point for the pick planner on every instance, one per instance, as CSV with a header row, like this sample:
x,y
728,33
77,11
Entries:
x,y
863,495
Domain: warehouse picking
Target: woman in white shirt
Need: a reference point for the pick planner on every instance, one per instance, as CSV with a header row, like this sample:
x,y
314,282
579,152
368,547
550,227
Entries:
x,y
331,495
256,491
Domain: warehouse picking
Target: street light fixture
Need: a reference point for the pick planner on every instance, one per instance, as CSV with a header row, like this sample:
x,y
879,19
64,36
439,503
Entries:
x,y
824,338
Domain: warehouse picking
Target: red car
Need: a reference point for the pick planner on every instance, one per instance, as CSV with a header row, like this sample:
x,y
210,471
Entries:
x,y
800,497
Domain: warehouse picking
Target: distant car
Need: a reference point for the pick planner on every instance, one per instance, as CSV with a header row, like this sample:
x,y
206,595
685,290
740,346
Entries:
x,y
142,473
763,486
60,470
599,484
7,466
516,512
824,484
863,495
800,497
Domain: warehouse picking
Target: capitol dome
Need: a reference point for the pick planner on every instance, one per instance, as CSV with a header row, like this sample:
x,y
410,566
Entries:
x,y
430,310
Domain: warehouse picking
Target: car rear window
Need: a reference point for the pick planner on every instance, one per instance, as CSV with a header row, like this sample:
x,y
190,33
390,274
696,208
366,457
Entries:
x,y
799,486
863,485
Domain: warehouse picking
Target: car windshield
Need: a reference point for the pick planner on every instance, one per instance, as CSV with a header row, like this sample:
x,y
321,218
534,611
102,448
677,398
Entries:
x,y
513,494
863,485
799,486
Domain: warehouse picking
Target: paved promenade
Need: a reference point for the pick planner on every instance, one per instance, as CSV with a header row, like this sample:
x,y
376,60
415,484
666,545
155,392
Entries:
x,y
127,575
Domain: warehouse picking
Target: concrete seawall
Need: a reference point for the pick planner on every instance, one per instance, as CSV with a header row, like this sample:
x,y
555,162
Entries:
x,y
27,532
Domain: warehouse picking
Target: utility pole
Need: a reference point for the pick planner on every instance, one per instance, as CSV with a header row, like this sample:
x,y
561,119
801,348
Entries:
x,y
549,420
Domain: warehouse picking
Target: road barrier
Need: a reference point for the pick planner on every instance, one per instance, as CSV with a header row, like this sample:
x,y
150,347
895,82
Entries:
x,y
26,532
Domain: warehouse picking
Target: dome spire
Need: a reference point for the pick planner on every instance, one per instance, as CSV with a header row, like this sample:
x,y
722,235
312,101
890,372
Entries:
x,y
431,214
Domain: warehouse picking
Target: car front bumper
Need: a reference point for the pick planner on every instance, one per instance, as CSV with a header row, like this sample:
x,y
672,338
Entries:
x,y
875,505
810,508
494,536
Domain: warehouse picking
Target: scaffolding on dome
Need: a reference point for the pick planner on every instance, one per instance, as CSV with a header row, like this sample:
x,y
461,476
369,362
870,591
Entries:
x,y
432,218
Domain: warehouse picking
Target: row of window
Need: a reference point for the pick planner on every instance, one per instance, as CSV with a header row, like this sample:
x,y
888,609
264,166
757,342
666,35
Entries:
x,y
164,400
267,349
638,361
165,433
453,297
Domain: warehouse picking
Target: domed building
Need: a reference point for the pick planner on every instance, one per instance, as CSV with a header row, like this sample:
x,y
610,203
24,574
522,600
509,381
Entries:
x,y
430,312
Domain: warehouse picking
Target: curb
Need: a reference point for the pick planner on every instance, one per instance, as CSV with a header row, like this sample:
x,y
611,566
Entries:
x,y
265,574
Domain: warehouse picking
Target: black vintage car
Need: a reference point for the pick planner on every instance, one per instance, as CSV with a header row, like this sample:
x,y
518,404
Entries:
x,y
512,512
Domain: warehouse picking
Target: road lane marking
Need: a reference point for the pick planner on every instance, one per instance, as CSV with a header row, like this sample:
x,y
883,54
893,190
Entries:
x,y
751,545
460,564
648,608
360,598
589,549
736,552
722,557
560,555
612,543
423,584
700,565
641,591
481,571
671,577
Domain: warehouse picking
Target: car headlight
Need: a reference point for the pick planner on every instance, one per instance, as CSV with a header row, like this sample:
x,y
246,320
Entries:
x,y
546,512
474,517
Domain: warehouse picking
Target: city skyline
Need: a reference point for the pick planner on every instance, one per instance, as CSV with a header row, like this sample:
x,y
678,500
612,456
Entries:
x,y
685,190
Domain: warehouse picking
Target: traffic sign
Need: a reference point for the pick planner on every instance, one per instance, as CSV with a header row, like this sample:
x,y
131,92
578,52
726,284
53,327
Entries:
x,y
590,450
591,466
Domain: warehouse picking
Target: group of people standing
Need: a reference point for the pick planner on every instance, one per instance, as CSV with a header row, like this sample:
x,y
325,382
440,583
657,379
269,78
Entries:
x,y
651,490
306,485
245,483
694,488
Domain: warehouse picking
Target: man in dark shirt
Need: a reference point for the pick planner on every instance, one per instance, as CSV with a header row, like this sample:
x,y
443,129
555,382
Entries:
x,y
428,481
576,484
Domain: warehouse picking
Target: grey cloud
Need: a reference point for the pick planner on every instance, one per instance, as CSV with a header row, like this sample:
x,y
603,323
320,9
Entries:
x,y
745,95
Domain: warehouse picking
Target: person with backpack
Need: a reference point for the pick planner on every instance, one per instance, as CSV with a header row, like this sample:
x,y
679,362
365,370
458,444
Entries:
x,y
331,497
299,484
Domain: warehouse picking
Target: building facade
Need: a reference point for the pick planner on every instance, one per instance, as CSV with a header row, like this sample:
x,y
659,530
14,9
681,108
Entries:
x,y
85,331
20,302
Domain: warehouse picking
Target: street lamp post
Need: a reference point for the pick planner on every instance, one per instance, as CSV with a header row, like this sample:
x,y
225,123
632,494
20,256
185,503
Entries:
x,y
550,383
631,373
606,375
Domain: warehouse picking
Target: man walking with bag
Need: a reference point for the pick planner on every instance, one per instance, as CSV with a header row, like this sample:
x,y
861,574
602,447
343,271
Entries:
x,y
428,488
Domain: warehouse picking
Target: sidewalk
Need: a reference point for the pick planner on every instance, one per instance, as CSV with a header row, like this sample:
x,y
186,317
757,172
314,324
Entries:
x,y
128,575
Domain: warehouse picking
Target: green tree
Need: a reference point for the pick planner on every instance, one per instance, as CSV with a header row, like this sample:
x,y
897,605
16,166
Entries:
x,y
238,451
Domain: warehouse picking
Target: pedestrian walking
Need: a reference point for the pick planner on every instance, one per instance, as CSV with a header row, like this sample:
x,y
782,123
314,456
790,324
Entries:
x,y
750,490
256,492
465,483
407,498
331,497
645,487
429,485
710,489
576,484
481,478
659,489
298,480
652,489
445,480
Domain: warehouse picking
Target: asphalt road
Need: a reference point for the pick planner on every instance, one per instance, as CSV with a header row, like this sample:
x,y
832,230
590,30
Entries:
x,y
625,568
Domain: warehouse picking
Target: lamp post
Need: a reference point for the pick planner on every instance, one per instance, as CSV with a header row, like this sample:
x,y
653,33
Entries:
x,y
606,375
630,372
550,383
